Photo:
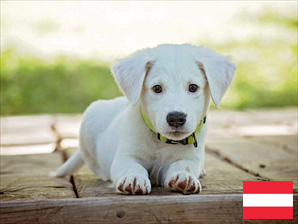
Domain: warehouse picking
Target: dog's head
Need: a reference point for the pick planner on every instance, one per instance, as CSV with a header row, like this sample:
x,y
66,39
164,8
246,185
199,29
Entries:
x,y
173,83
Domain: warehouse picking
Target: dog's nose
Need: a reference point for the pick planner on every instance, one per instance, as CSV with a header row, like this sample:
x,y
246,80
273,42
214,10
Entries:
x,y
176,119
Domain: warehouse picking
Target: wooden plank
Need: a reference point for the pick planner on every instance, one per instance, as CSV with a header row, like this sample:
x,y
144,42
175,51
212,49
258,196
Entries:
x,y
67,143
19,188
28,177
225,123
27,135
134,209
20,123
287,143
266,160
222,178
43,135
27,149
279,115
68,126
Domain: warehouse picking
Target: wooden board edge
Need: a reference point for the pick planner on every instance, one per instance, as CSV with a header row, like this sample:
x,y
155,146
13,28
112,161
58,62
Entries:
x,y
130,209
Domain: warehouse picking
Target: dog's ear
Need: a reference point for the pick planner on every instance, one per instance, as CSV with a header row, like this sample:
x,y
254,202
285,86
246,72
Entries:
x,y
219,71
130,74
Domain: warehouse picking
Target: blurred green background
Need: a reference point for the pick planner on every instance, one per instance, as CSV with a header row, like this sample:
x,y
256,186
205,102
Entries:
x,y
266,75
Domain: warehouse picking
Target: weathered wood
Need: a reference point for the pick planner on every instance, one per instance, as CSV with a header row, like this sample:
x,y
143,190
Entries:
x,y
35,136
222,178
287,143
27,149
266,160
67,143
25,180
31,164
19,188
225,123
133,209
28,177
23,123
68,126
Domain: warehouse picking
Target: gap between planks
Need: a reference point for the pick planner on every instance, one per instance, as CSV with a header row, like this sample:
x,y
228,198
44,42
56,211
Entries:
x,y
228,160
64,157
71,180
63,154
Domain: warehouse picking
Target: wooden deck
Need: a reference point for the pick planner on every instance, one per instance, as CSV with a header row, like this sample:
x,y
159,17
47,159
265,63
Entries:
x,y
248,145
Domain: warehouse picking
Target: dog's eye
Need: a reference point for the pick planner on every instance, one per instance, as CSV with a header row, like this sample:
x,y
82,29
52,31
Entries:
x,y
193,88
157,89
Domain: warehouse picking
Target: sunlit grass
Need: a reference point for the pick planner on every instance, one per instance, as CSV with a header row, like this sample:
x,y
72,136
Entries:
x,y
266,76
29,85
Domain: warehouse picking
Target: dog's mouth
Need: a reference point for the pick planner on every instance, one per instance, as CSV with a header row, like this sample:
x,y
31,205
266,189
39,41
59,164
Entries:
x,y
176,135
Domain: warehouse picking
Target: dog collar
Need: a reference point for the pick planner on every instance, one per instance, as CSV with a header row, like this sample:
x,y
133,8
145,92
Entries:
x,y
189,140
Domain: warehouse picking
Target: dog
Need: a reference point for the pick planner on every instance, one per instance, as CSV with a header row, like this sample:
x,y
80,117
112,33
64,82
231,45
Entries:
x,y
155,135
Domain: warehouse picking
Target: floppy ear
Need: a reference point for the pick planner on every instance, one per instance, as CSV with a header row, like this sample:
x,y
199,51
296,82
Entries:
x,y
219,71
130,74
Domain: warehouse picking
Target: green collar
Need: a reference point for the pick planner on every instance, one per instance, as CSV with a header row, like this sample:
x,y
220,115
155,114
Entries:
x,y
189,140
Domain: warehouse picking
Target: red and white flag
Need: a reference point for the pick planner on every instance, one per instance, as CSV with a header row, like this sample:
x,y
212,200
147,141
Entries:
x,y
267,199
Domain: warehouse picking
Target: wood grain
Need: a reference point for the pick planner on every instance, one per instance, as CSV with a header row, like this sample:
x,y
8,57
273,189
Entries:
x,y
68,126
22,123
266,160
28,177
133,209
261,122
222,178
28,137
240,147
28,149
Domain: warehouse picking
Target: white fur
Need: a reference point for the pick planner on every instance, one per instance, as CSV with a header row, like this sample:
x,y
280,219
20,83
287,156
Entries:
x,y
115,141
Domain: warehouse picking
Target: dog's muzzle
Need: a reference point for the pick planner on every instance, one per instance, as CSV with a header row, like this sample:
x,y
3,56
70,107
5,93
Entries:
x,y
192,139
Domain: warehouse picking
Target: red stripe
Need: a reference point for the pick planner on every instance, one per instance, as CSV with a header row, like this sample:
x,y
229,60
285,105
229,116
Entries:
x,y
267,187
267,212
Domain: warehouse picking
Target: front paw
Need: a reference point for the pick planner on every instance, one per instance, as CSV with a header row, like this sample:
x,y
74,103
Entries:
x,y
183,182
134,184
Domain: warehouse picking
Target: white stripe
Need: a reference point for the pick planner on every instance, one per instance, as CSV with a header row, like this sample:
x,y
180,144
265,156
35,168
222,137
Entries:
x,y
267,200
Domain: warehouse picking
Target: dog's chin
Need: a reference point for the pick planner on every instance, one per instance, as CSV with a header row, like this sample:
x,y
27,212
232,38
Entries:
x,y
176,135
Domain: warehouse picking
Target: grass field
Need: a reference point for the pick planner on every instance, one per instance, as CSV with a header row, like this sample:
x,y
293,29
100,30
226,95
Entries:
x,y
266,76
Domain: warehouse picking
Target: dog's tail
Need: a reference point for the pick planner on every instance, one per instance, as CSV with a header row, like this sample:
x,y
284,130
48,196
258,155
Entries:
x,y
71,165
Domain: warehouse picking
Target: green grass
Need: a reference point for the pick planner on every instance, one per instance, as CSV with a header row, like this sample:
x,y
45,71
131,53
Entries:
x,y
266,77
266,73
30,85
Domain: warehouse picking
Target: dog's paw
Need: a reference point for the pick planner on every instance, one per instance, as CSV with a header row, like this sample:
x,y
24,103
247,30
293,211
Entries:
x,y
134,185
183,182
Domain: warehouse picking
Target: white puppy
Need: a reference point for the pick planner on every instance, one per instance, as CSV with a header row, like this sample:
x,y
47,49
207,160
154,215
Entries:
x,y
156,135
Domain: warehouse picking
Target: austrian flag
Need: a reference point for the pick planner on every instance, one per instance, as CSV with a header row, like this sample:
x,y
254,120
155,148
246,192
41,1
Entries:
x,y
267,199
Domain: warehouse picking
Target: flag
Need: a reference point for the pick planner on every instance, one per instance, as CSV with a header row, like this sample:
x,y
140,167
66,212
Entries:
x,y
267,199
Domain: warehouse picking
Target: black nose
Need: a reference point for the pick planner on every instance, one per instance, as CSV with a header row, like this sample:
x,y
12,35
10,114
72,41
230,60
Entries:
x,y
176,119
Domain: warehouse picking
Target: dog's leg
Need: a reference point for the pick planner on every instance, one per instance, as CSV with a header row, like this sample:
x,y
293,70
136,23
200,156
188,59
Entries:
x,y
71,165
129,176
183,176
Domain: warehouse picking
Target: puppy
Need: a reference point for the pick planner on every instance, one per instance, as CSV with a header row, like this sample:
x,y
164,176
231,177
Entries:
x,y
155,135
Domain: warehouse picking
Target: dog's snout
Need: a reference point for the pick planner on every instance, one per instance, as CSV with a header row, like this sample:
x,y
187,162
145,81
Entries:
x,y
176,119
